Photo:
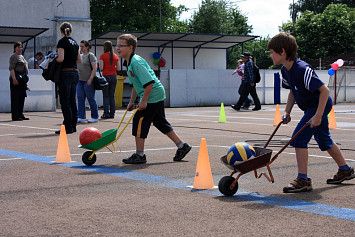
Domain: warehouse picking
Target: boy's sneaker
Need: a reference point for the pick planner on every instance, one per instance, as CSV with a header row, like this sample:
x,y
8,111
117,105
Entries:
x,y
341,176
135,159
181,152
299,185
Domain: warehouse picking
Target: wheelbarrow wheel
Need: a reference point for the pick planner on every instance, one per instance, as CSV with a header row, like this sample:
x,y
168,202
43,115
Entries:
x,y
224,186
86,158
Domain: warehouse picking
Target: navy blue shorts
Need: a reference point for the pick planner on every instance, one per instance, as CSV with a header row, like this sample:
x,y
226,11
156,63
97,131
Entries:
x,y
321,133
154,113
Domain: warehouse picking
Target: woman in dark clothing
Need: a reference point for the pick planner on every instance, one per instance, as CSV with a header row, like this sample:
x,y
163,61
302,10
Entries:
x,y
19,65
68,56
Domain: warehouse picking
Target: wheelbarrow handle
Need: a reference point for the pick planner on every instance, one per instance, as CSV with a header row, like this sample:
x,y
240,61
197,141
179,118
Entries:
x,y
289,142
277,128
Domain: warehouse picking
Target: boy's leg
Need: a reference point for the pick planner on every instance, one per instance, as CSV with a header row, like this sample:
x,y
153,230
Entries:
x,y
183,147
138,157
302,160
345,172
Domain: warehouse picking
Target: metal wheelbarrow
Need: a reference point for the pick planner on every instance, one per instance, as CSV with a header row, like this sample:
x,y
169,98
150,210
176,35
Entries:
x,y
107,140
228,185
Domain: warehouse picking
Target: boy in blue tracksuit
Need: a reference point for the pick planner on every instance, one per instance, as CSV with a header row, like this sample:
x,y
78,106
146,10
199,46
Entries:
x,y
151,106
312,96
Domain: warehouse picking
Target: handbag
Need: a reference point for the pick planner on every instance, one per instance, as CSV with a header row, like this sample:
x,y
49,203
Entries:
x,y
99,82
21,78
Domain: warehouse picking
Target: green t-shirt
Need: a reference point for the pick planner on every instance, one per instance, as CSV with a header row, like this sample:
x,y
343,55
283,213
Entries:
x,y
140,74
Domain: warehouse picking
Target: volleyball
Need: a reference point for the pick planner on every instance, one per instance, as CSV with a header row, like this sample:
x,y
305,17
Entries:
x,y
240,152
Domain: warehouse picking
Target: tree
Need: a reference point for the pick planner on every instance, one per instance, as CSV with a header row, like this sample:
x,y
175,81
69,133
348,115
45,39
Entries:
x,y
216,17
316,6
325,34
135,15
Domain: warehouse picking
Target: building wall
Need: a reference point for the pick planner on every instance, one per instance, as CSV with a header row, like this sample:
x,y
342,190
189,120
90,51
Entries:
x,y
34,13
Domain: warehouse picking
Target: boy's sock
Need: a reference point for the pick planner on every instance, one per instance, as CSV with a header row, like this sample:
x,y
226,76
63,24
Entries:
x,y
140,153
302,176
180,144
344,167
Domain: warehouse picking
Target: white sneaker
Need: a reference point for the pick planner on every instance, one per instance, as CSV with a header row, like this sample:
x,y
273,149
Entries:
x,y
80,120
93,120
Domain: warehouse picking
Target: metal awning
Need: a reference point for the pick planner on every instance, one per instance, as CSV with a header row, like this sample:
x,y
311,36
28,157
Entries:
x,y
10,35
163,40
178,40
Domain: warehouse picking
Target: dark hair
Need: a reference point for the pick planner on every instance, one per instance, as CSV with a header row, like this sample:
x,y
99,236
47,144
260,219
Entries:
x,y
66,28
108,49
131,40
86,43
39,54
18,43
284,41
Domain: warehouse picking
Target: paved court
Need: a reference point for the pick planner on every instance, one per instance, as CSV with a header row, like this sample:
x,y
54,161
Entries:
x,y
41,198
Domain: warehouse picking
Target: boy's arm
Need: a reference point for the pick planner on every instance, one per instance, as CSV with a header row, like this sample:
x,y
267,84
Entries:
x,y
131,101
143,103
323,98
289,105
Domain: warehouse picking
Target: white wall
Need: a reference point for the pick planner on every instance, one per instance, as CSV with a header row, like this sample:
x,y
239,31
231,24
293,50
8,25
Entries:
x,y
41,96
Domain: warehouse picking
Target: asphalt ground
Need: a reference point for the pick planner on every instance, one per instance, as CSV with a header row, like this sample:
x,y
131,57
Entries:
x,y
39,197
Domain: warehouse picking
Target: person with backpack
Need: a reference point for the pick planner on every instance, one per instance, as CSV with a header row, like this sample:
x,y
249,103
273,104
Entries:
x,y
249,84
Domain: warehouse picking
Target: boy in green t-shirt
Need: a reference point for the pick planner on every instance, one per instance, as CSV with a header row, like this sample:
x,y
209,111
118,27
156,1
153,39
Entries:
x,y
151,106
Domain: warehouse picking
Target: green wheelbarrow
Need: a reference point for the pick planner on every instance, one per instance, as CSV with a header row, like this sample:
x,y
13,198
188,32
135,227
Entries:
x,y
107,140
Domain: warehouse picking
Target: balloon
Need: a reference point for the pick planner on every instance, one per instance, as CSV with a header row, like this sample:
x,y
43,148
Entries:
x,y
156,61
162,62
335,66
340,62
331,72
156,55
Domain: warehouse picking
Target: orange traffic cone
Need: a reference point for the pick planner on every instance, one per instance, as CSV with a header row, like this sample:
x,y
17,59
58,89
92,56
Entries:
x,y
332,121
277,118
63,154
203,175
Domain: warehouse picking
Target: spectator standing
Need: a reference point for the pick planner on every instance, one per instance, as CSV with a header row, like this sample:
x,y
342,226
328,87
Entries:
x,y
85,88
109,65
68,56
18,64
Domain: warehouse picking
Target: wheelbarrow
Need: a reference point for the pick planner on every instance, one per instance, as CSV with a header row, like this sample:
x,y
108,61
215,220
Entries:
x,y
107,140
228,185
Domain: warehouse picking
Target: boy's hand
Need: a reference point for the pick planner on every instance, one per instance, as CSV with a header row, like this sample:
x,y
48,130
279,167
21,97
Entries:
x,y
316,120
142,105
286,117
130,107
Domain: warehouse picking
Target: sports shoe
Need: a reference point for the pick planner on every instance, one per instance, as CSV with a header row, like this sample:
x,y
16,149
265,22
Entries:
x,y
182,152
342,175
256,108
92,120
80,120
135,159
235,107
299,185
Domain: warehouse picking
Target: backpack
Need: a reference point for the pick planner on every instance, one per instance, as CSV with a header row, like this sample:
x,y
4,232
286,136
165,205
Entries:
x,y
257,76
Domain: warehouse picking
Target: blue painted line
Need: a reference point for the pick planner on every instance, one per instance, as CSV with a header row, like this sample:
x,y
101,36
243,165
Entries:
x,y
298,205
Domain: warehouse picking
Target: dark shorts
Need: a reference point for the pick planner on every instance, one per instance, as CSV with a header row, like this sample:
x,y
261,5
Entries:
x,y
321,133
154,113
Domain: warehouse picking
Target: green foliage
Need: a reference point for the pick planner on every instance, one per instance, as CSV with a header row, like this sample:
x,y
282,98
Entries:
x,y
325,34
135,15
216,17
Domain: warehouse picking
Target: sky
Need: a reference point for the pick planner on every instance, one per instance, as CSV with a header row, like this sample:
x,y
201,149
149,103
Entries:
x,y
264,15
